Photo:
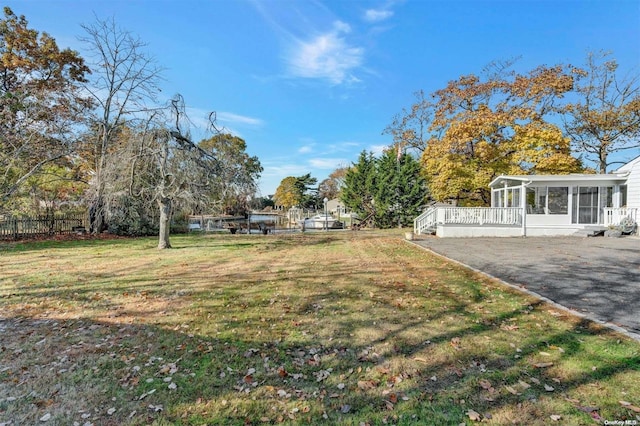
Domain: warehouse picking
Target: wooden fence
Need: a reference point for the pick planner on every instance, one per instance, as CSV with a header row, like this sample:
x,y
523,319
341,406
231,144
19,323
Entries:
x,y
25,227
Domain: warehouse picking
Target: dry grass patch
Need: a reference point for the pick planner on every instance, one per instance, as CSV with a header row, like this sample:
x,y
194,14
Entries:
x,y
349,328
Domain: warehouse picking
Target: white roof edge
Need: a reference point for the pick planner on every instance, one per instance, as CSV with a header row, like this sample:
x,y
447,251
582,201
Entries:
x,y
569,177
510,177
628,166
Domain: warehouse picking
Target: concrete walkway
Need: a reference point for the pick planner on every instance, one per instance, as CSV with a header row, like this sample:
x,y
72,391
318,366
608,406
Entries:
x,y
597,277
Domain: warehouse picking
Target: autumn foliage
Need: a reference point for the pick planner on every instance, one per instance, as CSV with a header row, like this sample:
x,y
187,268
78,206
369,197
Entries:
x,y
495,125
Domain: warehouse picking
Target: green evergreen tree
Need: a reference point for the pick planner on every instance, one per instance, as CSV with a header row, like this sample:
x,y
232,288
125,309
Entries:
x,y
359,186
401,190
387,191
307,188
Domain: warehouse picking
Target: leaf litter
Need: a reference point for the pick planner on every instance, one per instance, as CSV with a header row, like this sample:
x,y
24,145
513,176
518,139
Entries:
x,y
316,369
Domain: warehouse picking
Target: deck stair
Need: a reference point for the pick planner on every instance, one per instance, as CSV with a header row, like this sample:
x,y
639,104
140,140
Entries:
x,y
591,231
426,223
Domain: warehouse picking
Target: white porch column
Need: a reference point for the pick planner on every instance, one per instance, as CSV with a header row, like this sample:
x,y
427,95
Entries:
x,y
616,199
523,203
504,195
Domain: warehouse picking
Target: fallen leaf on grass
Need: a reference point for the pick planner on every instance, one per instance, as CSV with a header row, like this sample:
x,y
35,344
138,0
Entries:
x,y
283,394
549,388
595,416
524,385
146,394
366,384
383,370
543,364
45,418
474,416
628,405
282,372
555,417
593,411
455,342
511,390
43,403
485,384
322,374
509,327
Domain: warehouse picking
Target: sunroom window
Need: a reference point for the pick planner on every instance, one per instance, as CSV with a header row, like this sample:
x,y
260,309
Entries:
x,y
547,200
558,200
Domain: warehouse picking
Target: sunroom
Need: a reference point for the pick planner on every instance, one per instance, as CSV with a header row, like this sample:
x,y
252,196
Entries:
x,y
563,204
536,205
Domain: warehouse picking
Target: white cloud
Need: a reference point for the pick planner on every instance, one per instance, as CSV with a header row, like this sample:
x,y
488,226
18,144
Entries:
x,y
305,149
340,26
327,56
275,171
229,117
284,170
373,15
378,149
342,147
226,122
327,163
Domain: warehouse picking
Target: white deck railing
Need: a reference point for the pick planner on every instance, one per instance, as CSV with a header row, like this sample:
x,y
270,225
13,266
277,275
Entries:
x,y
434,216
426,221
481,215
613,216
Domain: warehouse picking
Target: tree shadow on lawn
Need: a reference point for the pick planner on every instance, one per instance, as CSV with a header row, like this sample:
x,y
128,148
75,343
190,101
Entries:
x,y
113,373
180,242
53,244
260,347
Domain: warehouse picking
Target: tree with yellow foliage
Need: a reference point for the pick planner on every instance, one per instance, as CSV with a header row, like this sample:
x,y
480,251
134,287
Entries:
x,y
287,193
483,128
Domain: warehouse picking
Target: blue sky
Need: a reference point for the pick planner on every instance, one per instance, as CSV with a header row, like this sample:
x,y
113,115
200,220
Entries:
x,y
310,84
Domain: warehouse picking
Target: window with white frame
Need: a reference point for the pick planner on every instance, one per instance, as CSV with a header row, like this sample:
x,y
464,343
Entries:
x,y
548,200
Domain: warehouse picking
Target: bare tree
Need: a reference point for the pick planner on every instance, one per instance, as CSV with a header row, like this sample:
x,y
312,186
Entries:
x,y
160,166
605,119
124,85
332,186
412,128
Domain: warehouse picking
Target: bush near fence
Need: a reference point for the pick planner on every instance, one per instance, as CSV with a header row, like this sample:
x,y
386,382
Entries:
x,y
28,227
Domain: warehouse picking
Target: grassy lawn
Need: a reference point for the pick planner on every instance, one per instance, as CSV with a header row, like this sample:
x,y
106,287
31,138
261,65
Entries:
x,y
356,328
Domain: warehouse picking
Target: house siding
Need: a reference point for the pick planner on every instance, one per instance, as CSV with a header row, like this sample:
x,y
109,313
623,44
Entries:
x,y
633,186
633,182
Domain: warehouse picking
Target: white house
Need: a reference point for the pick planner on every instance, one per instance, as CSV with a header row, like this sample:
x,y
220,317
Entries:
x,y
535,205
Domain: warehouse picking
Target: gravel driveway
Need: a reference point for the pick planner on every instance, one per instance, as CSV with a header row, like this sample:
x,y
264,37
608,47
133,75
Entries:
x,y
598,277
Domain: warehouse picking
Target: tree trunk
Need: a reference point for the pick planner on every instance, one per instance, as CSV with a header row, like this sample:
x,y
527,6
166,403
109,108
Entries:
x,y
165,218
603,161
97,223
